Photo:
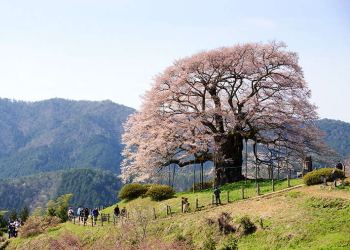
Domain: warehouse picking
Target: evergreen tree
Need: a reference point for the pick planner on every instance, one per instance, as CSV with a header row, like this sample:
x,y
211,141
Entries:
x,y
62,207
13,215
3,222
51,208
25,213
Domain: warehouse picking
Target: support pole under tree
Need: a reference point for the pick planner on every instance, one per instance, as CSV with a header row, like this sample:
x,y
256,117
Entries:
x,y
288,176
256,161
201,176
169,173
174,166
246,159
194,174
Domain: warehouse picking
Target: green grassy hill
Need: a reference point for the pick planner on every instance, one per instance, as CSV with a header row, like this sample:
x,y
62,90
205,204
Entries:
x,y
298,218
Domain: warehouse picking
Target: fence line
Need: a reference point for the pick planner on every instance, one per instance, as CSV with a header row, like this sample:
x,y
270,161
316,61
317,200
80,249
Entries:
x,y
231,196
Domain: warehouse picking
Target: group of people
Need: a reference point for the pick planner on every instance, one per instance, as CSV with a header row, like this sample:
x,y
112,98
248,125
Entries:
x,y
13,226
83,214
186,204
118,212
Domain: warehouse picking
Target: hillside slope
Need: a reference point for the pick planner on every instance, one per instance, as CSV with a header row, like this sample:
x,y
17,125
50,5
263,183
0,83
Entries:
x,y
302,218
60,134
337,135
90,188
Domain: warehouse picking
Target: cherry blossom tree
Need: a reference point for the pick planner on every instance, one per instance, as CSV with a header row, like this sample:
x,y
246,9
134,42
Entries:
x,y
203,108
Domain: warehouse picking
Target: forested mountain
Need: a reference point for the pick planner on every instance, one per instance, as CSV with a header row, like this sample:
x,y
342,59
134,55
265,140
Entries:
x,y
57,146
60,134
90,188
337,135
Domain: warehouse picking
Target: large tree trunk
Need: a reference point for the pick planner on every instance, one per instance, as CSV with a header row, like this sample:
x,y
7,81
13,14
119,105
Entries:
x,y
228,158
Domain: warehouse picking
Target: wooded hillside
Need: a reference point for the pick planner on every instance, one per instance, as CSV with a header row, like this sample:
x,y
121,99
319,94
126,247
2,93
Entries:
x,y
60,134
90,188
337,135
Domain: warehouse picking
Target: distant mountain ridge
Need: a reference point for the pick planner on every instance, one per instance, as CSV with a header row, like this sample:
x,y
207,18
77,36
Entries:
x,y
337,135
58,134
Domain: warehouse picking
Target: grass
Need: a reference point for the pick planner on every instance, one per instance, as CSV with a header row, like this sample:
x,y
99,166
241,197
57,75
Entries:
x,y
203,199
300,218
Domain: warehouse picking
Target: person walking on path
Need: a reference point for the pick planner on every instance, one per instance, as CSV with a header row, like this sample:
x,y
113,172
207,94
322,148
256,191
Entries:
x,y
80,209
95,214
85,215
70,214
217,196
185,204
116,212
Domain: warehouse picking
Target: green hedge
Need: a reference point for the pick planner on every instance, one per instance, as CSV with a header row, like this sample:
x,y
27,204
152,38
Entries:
x,y
132,191
314,177
160,192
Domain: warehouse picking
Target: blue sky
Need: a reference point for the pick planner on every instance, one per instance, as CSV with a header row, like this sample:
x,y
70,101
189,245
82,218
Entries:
x,y
98,50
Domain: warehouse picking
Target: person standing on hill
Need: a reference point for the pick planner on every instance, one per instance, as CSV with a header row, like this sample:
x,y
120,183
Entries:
x,y
116,211
185,204
70,214
339,165
85,214
217,195
80,209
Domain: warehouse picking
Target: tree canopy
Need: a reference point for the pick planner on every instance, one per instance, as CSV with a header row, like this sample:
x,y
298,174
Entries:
x,y
203,107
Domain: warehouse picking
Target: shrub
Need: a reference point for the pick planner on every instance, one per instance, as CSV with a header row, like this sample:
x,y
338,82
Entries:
x,y
247,224
132,191
37,225
209,244
314,177
206,185
160,192
231,244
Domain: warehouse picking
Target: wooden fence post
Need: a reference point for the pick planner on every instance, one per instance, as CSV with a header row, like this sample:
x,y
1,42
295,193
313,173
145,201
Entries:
x,y
288,177
273,186
228,196
242,193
